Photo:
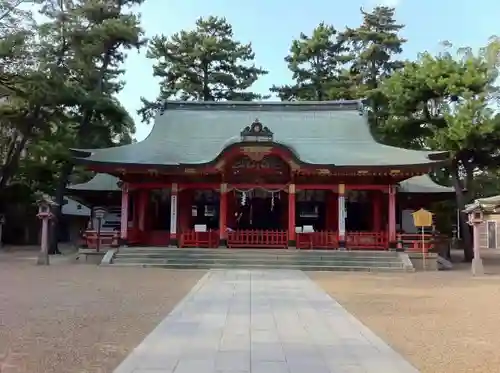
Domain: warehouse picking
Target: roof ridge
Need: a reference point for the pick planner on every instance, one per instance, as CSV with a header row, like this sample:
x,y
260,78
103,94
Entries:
x,y
344,105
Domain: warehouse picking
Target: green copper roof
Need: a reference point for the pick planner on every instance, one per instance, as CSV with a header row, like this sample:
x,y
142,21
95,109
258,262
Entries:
x,y
416,184
487,204
423,184
99,183
322,133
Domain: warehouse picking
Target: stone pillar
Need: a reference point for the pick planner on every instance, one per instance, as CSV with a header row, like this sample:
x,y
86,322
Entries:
x,y
223,215
392,218
477,263
43,256
173,215
124,215
342,215
291,215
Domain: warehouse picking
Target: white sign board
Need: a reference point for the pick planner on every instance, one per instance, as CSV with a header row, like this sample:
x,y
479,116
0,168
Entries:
x,y
173,214
342,215
200,228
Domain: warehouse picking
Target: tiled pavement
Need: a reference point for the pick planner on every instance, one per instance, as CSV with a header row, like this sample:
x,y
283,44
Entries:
x,y
261,321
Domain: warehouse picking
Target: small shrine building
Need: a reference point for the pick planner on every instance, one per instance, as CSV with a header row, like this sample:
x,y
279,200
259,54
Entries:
x,y
261,174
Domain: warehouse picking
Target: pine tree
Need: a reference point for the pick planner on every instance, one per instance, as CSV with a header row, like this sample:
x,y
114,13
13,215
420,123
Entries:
x,y
204,64
318,66
374,44
444,103
87,41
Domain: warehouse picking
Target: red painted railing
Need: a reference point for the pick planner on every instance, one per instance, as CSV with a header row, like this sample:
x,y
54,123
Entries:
x,y
191,238
106,239
413,242
257,238
317,240
367,240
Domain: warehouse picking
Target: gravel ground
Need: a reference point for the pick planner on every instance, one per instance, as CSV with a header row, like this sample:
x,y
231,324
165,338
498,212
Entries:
x,y
70,318
442,322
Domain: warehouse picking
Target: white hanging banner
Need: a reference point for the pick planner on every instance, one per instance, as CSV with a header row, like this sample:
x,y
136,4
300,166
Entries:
x,y
173,214
342,215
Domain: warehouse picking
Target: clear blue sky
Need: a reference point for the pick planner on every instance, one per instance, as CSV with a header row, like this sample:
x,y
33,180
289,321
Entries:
x,y
271,25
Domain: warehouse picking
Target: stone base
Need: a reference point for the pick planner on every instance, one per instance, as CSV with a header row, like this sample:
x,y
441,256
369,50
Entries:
x,y
418,262
174,242
342,245
43,260
477,267
393,246
291,244
223,243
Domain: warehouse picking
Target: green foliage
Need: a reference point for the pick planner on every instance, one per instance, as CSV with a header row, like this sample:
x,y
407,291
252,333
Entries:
x,y
59,81
445,102
442,102
202,64
317,63
373,44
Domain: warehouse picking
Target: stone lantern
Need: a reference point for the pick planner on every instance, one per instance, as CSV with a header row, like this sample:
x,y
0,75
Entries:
x,y
99,213
45,204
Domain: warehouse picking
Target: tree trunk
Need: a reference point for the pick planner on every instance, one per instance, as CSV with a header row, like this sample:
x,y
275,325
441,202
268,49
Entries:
x,y
464,227
11,164
66,170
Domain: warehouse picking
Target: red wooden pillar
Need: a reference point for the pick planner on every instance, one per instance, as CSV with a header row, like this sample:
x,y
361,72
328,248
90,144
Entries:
x,y
377,211
392,217
124,214
341,216
223,215
173,214
291,215
142,207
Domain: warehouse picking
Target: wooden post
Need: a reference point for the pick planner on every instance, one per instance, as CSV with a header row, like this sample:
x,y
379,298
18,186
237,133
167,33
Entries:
x,y
223,215
392,217
124,215
173,215
341,216
291,215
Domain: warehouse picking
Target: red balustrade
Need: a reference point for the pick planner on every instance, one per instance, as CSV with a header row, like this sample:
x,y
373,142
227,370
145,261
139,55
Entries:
x,y
106,239
257,238
416,243
317,240
367,240
190,238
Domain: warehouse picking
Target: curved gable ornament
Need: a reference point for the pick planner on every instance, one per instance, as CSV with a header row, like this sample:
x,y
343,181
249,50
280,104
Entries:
x,y
256,132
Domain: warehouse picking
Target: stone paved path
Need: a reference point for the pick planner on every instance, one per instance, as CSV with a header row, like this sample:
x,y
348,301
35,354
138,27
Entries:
x,y
261,321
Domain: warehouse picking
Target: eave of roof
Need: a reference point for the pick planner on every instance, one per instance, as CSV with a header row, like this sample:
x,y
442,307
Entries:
x,y
487,204
417,184
423,184
99,183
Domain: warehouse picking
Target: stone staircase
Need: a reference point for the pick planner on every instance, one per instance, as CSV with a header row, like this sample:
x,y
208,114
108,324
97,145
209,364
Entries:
x,y
260,258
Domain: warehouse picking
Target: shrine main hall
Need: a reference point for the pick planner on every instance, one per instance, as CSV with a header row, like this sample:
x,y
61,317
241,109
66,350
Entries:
x,y
263,175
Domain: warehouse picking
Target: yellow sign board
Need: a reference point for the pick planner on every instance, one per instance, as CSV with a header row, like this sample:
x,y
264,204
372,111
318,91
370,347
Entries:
x,y
422,218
